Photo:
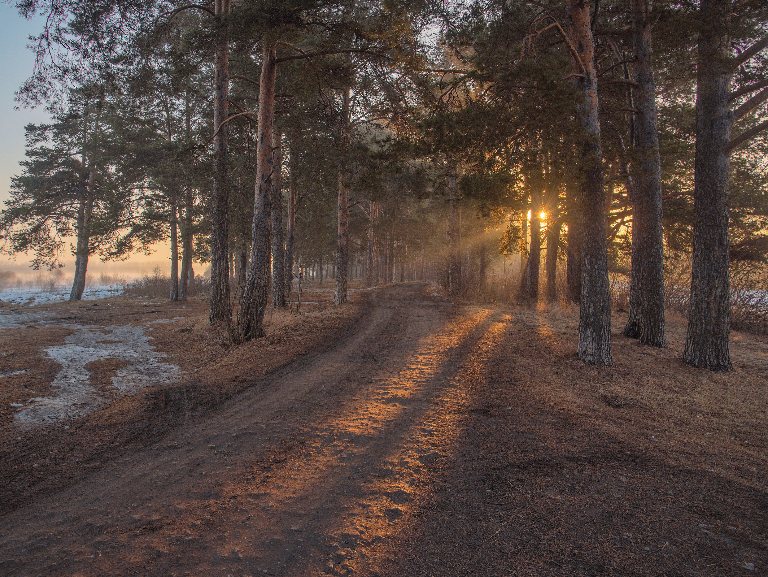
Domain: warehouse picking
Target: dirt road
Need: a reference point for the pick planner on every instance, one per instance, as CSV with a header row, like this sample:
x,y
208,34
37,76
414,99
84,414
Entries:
x,y
432,440
302,474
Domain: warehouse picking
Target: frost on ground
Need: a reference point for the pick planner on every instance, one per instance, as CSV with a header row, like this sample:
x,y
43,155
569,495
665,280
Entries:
x,y
74,393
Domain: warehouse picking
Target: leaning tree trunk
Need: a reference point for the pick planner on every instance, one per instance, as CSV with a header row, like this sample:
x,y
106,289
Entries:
x,y
253,304
706,344
342,209
595,307
82,250
221,307
646,310
278,248
174,292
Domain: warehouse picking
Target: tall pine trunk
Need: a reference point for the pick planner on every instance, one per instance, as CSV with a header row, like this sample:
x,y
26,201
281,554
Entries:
x,y
342,209
174,292
255,295
293,190
369,252
454,284
187,244
278,246
646,310
221,307
595,307
529,288
573,244
706,345
553,244
85,207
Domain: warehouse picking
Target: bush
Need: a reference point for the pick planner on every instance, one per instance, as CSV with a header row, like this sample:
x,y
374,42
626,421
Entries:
x,y
158,285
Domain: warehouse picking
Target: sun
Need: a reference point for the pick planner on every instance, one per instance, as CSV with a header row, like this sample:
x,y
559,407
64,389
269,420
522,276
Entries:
x,y
542,215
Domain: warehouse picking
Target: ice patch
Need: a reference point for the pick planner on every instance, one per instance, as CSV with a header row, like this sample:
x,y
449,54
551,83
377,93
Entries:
x,y
74,395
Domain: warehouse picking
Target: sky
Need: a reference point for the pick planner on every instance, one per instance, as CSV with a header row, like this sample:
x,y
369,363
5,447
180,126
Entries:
x,y
18,65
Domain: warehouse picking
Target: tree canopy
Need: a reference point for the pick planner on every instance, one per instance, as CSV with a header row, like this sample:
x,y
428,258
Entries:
x,y
397,122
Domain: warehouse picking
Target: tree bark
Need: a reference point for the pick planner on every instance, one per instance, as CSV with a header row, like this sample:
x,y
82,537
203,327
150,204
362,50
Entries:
x,y
369,253
595,307
291,227
454,234
529,288
221,307
174,292
187,244
278,245
553,242
646,310
573,250
250,323
706,345
342,209
83,250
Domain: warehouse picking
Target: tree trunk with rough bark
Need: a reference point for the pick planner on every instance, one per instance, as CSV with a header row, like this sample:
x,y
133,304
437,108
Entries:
x,y
369,253
293,191
221,306
553,244
187,244
342,209
174,292
454,233
278,246
253,304
646,310
706,345
595,307
529,286
573,247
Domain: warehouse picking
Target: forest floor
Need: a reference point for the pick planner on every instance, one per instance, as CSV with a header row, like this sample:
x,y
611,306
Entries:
x,y
398,434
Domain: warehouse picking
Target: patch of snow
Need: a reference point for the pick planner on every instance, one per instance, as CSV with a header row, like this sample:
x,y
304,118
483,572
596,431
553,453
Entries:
x,y
11,373
30,296
16,319
74,395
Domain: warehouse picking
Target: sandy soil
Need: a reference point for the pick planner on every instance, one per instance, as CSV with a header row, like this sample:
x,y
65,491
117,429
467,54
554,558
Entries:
x,y
397,435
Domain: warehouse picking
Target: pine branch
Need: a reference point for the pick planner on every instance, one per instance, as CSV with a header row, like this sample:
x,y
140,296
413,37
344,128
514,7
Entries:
x,y
626,81
189,7
751,104
531,38
747,90
749,52
747,135
306,55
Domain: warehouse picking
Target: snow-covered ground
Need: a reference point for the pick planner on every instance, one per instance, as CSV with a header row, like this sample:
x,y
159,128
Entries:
x,y
38,296
72,391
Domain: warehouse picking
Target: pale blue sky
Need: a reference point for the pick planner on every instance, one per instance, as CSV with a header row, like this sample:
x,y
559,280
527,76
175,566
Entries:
x,y
18,65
